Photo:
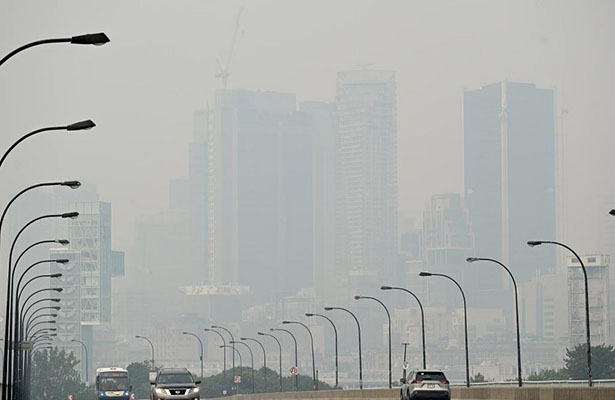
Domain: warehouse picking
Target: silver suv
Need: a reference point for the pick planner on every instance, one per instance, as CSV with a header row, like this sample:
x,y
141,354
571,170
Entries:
x,y
175,384
428,384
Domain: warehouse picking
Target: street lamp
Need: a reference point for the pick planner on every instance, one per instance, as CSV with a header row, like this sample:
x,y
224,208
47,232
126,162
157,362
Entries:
x,y
86,359
232,338
533,243
152,346
280,347
240,365
223,350
312,342
97,39
77,126
465,318
264,357
201,343
389,317
251,359
335,336
422,314
296,358
612,212
359,329
473,259
33,316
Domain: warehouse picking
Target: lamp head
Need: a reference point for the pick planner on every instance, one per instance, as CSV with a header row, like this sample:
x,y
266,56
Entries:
x,y
307,314
286,322
55,300
271,330
71,215
471,259
328,308
57,308
423,273
243,338
357,297
533,243
96,39
59,289
62,261
184,333
81,125
72,184
63,242
55,275
612,212
385,288
54,315
214,326
260,333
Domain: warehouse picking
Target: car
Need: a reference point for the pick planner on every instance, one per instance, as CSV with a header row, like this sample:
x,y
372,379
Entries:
x,y
174,384
428,384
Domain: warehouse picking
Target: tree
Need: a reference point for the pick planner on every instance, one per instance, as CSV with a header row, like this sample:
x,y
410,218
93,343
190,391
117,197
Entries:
x,y
603,362
139,378
549,375
478,378
54,377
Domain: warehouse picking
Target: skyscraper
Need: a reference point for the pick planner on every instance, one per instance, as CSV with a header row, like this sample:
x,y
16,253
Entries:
x,y
509,170
366,182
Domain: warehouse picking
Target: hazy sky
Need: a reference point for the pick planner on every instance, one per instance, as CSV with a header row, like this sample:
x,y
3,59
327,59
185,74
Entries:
x,y
143,88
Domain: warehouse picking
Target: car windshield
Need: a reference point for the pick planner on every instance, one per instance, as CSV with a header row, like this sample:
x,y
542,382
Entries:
x,y
175,378
114,384
430,376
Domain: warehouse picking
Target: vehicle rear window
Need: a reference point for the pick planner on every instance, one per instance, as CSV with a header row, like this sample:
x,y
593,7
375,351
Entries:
x,y
430,375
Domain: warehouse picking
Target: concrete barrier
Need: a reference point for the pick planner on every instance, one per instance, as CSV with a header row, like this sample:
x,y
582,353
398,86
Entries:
x,y
472,393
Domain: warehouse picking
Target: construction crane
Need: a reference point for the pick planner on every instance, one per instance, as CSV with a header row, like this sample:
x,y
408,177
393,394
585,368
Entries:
x,y
225,71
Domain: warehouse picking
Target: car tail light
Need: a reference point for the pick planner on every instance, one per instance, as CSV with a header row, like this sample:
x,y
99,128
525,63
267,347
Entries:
x,y
445,381
415,381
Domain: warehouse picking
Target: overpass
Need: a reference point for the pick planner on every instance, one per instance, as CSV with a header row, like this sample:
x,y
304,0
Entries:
x,y
472,393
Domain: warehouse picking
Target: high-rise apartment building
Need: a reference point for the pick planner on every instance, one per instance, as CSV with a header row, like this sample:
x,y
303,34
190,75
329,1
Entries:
x,y
509,170
597,267
366,181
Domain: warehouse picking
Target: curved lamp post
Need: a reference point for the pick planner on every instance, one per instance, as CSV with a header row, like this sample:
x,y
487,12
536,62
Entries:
x,y
422,314
86,359
240,364
335,336
152,346
296,358
473,259
96,39
280,347
465,319
77,126
264,358
359,329
312,343
201,343
232,338
223,350
251,359
533,243
389,317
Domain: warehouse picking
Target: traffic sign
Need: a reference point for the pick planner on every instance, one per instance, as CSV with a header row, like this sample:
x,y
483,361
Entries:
x,y
293,370
237,379
405,364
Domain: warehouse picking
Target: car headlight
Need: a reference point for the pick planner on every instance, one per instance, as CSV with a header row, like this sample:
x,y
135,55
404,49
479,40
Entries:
x,y
161,391
193,390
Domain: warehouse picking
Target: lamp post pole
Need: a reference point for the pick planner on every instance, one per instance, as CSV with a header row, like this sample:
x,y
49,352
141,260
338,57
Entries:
x,y
152,346
296,358
314,385
473,259
87,375
389,318
533,243
335,336
264,357
359,330
223,351
422,315
240,366
280,347
465,319
201,343
251,360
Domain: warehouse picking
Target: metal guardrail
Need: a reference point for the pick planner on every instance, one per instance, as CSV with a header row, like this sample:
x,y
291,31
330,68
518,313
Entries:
x,y
563,382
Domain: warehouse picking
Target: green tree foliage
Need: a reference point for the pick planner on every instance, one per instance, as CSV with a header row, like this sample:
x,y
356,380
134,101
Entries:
x,y
54,377
549,375
478,378
139,378
213,386
603,362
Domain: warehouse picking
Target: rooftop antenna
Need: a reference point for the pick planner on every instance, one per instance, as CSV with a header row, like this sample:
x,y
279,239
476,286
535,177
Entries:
x,y
224,71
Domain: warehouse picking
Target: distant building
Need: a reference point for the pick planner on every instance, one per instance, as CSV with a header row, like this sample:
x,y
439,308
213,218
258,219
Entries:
x,y
543,308
366,182
597,267
86,279
509,170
